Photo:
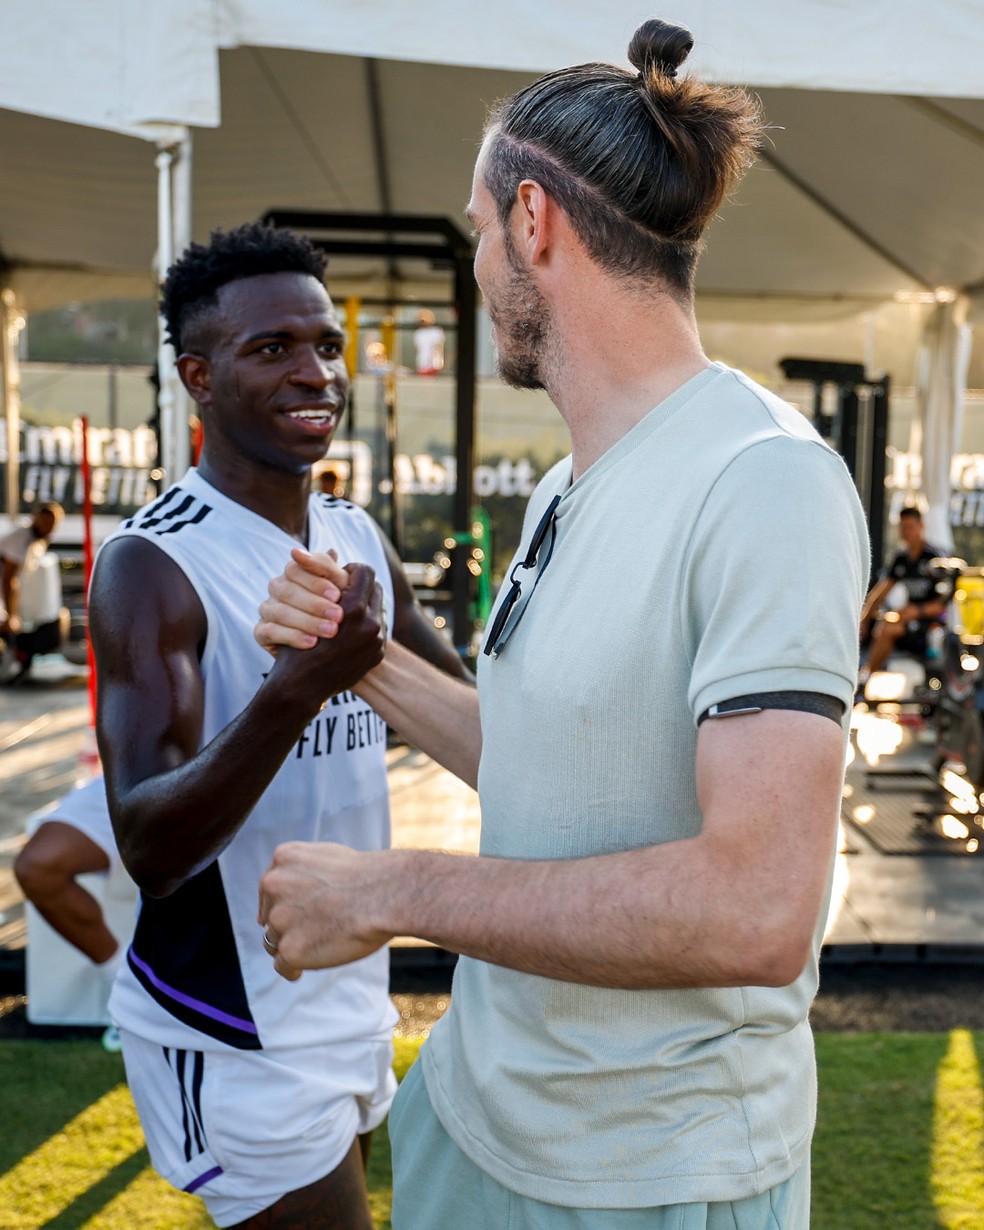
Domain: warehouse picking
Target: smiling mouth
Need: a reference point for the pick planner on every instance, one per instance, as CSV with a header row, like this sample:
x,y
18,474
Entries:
x,y
322,415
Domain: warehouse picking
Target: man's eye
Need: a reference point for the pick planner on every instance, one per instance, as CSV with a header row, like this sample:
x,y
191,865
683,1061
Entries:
x,y
272,348
331,349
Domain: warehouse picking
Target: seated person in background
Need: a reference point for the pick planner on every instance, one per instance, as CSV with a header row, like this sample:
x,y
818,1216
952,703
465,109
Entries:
x,y
26,625
75,836
925,605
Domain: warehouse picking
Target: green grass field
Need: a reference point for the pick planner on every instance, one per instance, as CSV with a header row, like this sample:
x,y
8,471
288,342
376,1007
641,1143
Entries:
x,y
899,1144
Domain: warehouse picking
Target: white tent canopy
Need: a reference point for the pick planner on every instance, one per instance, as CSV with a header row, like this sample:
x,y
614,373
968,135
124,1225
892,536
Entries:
x,y
125,63
870,188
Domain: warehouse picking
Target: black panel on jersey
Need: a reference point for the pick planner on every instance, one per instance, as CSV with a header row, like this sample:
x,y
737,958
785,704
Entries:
x,y
184,956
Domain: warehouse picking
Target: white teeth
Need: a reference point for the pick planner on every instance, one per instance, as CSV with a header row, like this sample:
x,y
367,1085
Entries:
x,y
311,415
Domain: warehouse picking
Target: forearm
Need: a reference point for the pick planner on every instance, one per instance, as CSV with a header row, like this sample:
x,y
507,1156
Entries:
x,y
677,915
668,916
737,904
176,804
874,601
77,917
172,822
433,711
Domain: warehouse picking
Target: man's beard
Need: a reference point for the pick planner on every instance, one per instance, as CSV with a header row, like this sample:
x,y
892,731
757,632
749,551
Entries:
x,y
522,324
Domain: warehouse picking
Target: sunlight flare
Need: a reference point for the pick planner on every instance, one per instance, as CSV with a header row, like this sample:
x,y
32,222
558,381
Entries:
x,y
958,1136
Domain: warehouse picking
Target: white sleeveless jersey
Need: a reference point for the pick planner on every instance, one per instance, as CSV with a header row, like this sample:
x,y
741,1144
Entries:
x,y
197,976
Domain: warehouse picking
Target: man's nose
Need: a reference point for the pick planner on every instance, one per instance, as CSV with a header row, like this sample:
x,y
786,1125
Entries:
x,y
314,370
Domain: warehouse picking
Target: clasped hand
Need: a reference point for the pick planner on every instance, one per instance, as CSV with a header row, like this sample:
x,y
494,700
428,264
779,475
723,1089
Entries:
x,y
306,603
334,614
311,894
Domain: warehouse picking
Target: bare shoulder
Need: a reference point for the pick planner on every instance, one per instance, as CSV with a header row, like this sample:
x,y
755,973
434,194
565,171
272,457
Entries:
x,y
137,588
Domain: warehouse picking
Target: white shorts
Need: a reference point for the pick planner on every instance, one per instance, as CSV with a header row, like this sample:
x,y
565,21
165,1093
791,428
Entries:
x,y
243,1128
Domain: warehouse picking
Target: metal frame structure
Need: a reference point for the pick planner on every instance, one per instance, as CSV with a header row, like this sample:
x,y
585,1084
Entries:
x,y
861,439
443,245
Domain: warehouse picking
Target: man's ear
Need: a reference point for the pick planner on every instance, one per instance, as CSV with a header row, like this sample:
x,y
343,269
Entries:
x,y
196,376
533,216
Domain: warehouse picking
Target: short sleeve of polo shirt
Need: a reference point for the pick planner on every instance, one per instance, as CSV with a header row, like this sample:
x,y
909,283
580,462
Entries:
x,y
775,576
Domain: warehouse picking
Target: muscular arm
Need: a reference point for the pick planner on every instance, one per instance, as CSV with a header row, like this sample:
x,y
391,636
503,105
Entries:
x,y
736,905
175,806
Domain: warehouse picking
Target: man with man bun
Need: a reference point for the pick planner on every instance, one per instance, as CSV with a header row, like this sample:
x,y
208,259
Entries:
x,y
660,728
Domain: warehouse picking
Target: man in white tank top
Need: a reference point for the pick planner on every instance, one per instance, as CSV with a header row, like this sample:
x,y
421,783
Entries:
x,y
253,1092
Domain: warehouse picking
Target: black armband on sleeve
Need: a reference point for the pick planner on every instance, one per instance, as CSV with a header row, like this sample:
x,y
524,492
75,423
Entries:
x,y
806,702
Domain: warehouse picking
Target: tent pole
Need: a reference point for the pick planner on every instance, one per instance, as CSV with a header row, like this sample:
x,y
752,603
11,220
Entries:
x,y
173,236
10,390
941,386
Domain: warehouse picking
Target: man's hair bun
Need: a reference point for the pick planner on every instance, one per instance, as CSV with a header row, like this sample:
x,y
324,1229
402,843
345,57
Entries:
x,y
659,47
638,160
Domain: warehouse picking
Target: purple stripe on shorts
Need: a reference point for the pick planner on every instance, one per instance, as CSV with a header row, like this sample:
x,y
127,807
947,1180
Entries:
x,y
205,1009
202,1179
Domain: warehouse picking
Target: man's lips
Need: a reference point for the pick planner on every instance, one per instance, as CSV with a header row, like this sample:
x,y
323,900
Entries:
x,y
314,415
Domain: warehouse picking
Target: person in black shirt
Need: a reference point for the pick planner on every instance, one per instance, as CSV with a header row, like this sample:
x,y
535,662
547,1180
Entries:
x,y
925,605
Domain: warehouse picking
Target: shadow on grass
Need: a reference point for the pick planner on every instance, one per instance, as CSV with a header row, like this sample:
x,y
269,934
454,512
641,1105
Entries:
x,y
45,1085
50,1088
100,1194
